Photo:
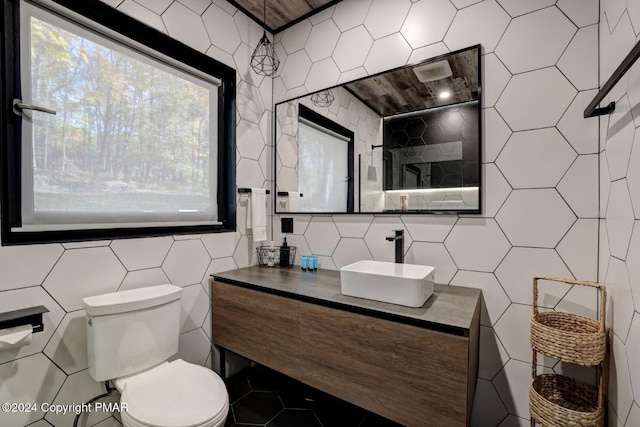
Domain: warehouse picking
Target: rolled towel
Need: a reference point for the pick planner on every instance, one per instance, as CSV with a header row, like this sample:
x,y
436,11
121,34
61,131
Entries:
x,y
294,201
258,214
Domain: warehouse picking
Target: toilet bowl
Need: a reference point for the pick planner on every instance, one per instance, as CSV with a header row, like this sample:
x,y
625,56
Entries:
x,y
174,394
131,335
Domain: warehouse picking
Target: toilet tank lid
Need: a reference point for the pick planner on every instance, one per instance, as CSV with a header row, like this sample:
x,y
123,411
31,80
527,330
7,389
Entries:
x,y
131,300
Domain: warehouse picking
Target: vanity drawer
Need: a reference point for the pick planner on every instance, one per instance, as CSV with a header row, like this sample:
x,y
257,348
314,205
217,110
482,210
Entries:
x,y
402,372
262,327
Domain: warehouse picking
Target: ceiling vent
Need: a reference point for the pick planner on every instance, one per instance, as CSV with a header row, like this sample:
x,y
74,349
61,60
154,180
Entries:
x,y
433,71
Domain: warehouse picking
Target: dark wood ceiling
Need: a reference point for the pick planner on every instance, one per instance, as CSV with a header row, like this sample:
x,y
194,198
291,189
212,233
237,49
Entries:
x,y
281,14
399,91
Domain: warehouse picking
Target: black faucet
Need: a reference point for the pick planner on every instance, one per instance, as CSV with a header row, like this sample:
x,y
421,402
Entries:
x,y
399,239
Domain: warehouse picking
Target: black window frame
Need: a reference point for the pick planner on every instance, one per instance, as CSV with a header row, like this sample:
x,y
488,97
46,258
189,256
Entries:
x,y
10,131
324,122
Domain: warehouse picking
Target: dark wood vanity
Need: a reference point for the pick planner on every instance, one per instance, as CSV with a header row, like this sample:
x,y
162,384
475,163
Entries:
x,y
416,366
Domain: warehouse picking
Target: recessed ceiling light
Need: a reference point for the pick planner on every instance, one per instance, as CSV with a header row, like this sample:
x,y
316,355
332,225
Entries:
x,y
444,95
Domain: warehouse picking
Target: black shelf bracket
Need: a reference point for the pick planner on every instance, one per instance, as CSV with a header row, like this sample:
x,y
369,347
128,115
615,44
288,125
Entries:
x,y
24,316
248,191
286,194
627,62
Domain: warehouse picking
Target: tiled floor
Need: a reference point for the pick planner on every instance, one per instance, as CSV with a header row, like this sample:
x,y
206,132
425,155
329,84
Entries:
x,y
262,397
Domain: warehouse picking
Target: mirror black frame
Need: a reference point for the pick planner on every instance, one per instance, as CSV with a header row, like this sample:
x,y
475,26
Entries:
x,y
477,211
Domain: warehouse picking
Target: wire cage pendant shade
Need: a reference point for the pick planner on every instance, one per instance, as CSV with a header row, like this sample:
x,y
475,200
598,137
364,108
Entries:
x,y
264,60
322,99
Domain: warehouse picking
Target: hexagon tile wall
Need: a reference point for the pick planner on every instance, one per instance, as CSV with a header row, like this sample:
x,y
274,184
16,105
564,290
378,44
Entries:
x,y
540,161
54,367
620,209
540,171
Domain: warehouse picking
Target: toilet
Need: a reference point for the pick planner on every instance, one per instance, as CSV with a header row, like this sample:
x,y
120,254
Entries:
x,y
130,337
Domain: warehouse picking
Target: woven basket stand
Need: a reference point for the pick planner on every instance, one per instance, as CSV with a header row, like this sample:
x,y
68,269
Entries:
x,y
556,400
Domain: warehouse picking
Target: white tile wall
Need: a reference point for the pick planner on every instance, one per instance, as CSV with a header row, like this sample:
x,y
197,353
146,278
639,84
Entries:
x,y
186,26
487,18
582,237
620,392
33,379
553,79
24,266
537,87
580,13
390,48
509,384
577,185
477,244
509,328
519,7
619,183
525,160
493,411
425,24
521,264
387,16
68,345
80,387
578,131
535,40
81,273
137,254
495,189
57,276
494,299
619,218
352,48
576,62
142,14
540,213
632,349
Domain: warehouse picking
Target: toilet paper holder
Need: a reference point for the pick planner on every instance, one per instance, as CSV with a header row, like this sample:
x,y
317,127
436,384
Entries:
x,y
24,316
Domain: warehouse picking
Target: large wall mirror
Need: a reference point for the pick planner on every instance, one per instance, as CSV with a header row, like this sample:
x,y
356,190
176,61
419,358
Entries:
x,y
402,141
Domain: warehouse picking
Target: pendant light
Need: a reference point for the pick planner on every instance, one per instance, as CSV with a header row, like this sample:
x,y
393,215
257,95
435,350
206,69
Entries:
x,y
323,98
264,60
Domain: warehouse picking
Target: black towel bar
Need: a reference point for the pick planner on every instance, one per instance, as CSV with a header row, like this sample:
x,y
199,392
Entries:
x,y
248,190
627,62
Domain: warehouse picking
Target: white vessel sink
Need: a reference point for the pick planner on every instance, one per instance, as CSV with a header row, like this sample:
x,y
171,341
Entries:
x,y
404,284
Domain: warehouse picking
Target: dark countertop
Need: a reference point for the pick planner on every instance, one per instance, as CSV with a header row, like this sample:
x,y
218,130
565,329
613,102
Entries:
x,y
450,309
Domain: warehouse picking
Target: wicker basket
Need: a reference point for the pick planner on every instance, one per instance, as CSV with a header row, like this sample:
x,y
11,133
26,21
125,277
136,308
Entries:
x,y
558,401
567,336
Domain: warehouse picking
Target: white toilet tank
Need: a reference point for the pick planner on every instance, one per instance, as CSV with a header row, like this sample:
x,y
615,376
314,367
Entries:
x,y
130,331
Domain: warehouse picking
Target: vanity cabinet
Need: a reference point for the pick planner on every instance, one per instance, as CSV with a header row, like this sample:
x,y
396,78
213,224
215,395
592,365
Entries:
x,y
259,326
387,359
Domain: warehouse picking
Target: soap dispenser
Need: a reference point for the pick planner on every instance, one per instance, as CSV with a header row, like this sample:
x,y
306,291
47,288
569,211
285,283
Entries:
x,y
284,253
286,226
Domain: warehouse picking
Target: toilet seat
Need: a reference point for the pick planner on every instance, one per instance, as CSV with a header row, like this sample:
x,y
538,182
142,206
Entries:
x,y
175,394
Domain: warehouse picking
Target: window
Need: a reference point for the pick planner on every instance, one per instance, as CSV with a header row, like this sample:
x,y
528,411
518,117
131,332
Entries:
x,y
325,150
142,139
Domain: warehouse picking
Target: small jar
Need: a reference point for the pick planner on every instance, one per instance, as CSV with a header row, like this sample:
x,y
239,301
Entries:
x,y
404,202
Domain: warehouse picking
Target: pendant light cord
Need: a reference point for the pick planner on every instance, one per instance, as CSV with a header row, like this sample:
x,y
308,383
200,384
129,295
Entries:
x,y
264,16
